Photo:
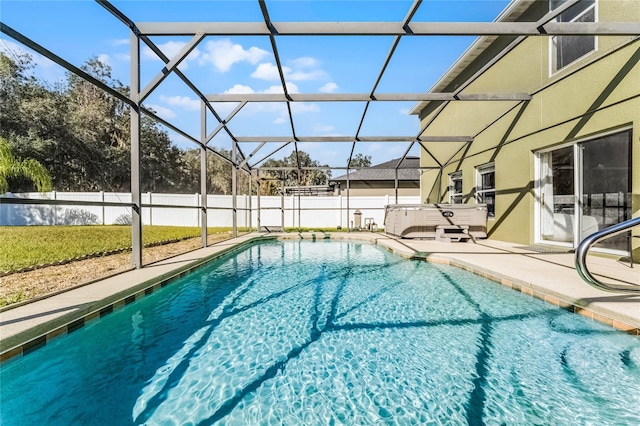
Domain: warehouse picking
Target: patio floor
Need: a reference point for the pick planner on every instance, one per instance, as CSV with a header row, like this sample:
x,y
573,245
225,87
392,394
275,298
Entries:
x,y
548,275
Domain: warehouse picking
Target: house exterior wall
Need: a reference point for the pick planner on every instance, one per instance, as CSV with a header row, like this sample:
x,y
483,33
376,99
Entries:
x,y
598,93
377,188
363,191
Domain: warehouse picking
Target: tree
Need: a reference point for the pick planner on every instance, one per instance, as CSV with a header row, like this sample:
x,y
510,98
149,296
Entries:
x,y
80,134
13,87
12,167
218,173
360,160
297,177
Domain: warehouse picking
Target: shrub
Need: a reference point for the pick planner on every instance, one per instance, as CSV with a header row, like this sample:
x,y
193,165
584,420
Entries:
x,y
79,217
123,219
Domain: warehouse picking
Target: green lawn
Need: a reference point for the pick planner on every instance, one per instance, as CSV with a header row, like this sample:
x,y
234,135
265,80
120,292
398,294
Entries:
x,y
25,246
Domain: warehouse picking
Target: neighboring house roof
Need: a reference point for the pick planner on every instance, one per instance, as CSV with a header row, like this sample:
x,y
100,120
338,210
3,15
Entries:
x,y
408,171
511,13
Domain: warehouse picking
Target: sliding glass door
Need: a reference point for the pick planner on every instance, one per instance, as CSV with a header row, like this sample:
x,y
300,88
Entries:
x,y
585,187
606,186
558,198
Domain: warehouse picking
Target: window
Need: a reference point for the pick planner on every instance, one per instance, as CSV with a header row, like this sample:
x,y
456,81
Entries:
x,y
567,49
486,187
455,188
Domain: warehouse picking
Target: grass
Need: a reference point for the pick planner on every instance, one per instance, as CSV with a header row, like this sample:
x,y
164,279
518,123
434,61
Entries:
x,y
26,246
303,229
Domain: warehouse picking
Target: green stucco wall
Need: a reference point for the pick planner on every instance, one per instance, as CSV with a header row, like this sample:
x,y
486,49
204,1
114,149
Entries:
x,y
599,93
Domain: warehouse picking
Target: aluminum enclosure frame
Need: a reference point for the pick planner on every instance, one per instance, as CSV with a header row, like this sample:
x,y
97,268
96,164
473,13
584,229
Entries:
x,y
141,31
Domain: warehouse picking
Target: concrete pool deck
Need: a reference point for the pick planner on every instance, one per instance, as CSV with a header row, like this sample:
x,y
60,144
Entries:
x,y
548,275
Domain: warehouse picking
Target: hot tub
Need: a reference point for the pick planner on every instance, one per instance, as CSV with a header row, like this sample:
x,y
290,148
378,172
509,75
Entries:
x,y
431,221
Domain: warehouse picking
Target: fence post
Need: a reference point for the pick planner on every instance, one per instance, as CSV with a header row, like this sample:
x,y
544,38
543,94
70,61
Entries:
x,y
282,205
102,199
150,208
197,203
246,211
258,201
250,218
55,209
293,211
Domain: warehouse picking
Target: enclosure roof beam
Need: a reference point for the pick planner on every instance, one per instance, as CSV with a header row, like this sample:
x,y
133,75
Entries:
x,y
58,60
344,168
184,134
274,47
351,139
404,156
270,154
135,29
465,147
552,14
193,88
540,25
430,154
412,11
254,152
169,66
363,97
388,28
226,121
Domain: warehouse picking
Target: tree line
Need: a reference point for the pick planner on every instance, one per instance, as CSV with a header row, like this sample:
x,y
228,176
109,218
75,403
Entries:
x,y
81,136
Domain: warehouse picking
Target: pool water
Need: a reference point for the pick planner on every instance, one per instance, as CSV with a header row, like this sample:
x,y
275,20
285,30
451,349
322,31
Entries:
x,y
302,332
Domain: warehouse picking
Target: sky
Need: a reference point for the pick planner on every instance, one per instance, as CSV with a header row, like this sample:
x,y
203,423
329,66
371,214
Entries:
x,y
81,29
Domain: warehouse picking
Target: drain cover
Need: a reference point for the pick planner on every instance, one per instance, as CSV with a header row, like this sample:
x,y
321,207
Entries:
x,y
539,249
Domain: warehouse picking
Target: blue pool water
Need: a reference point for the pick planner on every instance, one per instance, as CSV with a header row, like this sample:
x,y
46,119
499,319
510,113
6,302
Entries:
x,y
302,332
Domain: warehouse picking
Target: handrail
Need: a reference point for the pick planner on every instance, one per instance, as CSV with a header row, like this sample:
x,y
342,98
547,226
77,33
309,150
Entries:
x,y
585,245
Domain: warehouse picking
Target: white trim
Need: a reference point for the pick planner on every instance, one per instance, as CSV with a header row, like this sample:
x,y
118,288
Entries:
x,y
452,193
552,51
578,174
480,170
578,189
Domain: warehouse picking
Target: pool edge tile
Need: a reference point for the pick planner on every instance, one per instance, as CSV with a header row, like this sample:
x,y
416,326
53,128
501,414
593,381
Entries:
x,y
400,250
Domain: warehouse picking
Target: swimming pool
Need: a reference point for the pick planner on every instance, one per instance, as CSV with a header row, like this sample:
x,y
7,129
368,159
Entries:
x,y
302,332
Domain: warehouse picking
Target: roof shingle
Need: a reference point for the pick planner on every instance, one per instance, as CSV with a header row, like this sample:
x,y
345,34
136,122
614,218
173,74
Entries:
x,y
408,171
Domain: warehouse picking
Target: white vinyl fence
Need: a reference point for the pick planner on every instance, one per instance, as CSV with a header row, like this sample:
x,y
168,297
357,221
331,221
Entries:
x,y
307,212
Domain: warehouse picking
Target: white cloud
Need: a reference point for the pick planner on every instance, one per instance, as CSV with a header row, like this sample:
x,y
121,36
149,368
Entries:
x,y
301,107
291,88
43,67
240,89
120,42
278,108
323,128
305,76
268,71
122,56
223,54
104,59
330,87
304,62
182,101
404,111
171,49
224,108
163,112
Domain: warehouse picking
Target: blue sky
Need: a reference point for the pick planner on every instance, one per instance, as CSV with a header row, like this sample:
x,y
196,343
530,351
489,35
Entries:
x,y
81,29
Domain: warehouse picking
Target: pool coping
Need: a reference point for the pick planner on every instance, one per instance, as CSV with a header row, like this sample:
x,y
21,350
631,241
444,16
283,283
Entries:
x,y
62,313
